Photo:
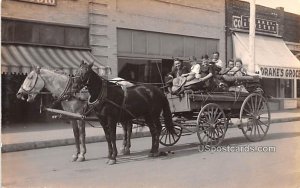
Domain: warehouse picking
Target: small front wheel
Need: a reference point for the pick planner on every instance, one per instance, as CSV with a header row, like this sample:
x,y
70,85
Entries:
x,y
211,125
169,139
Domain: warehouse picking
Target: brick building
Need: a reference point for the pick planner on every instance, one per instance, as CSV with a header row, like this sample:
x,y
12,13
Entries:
x,y
137,39
276,30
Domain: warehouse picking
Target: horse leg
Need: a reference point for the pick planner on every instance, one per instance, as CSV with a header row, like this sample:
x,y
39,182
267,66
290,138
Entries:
x,y
76,137
158,128
108,140
129,131
124,126
112,124
151,126
81,126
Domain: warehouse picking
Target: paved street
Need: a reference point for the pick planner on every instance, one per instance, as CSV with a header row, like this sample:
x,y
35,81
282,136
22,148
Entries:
x,y
184,166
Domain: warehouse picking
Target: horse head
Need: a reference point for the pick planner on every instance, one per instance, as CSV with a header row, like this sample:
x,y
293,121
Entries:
x,y
82,75
31,86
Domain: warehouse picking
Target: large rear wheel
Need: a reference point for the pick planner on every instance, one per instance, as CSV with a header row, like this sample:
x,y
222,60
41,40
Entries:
x,y
255,117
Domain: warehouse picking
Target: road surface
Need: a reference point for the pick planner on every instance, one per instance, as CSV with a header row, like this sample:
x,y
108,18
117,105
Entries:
x,y
235,164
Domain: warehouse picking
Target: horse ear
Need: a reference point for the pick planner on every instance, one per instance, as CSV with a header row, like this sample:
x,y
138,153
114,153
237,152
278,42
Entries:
x,y
91,65
82,62
37,69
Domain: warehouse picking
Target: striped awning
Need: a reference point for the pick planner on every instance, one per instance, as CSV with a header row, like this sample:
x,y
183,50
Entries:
x,y
23,58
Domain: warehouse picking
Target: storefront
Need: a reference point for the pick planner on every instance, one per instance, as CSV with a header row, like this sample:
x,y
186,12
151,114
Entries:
x,y
145,56
136,43
29,41
278,66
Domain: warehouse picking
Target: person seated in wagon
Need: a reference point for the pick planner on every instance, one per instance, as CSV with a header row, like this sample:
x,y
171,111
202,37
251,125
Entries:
x,y
195,70
238,70
206,73
173,78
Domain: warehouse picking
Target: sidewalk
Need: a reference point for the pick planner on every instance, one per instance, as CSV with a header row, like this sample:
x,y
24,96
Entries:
x,y
20,137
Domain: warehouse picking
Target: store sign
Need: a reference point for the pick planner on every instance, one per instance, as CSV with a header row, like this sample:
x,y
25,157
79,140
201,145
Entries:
x,y
277,72
262,25
43,2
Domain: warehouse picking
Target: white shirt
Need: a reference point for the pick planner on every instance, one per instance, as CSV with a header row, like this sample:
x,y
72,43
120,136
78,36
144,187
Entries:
x,y
219,63
196,69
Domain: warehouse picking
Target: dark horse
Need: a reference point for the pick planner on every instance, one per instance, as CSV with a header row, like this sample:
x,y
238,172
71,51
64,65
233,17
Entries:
x,y
113,104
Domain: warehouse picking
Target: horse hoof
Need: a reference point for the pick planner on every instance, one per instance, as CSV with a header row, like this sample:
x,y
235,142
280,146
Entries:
x,y
153,154
81,159
126,152
112,162
74,158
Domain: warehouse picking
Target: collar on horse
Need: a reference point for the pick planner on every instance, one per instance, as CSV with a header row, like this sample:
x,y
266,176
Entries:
x,y
102,98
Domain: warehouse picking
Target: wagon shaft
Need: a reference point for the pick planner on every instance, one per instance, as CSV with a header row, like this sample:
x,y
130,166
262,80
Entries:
x,y
71,115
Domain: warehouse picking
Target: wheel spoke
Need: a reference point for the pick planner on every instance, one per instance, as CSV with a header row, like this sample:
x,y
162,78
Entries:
x,y
259,125
259,104
166,137
252,104
263,123
256,125
247,111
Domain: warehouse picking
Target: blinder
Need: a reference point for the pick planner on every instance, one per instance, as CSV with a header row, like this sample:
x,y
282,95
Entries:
x,y
30,83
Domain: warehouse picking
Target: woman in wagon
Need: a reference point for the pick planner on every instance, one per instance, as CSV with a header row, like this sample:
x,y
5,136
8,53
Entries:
x,y
229,67
238,70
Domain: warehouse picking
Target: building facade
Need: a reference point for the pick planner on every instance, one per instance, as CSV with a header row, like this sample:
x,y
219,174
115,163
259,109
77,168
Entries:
x,y
137,39
276,30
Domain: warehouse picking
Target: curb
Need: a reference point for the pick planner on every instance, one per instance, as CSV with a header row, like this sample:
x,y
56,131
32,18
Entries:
x,y
93,139
62,142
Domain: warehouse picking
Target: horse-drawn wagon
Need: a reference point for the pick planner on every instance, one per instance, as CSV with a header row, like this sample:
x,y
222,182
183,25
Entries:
x,y
209,115
206,113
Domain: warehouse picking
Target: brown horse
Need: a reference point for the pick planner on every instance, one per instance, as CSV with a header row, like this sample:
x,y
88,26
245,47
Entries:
x,y
113,104
59,84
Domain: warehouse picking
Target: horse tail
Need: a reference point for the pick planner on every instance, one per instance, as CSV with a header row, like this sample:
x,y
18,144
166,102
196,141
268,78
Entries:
x,y
167,115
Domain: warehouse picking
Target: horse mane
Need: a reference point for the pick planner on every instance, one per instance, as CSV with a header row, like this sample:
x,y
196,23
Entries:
x,y
61,72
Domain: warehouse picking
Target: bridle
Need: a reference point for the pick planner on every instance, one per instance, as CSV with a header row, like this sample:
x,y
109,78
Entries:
x,y
29,91
63,96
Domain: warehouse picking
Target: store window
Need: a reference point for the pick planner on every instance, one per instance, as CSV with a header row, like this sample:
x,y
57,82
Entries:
x,y
298,88
141,70
144,43
288,88
25,32
271,86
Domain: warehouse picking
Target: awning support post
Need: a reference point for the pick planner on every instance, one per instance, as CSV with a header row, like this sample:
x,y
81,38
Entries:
x,y
251,68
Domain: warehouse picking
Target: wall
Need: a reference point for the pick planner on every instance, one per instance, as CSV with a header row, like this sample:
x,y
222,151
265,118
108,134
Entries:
x,y
203,19
186,17
65,11
291,27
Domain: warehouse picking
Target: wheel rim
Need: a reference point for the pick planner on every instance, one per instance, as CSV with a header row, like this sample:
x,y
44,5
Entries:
x,y
169,139
211,125
255,117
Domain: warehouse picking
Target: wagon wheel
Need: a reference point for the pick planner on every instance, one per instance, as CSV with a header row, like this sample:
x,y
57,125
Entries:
x,y
169,139
255,117
211,125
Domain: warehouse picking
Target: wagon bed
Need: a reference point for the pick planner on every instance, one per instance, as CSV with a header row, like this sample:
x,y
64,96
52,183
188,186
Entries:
x,y
211,113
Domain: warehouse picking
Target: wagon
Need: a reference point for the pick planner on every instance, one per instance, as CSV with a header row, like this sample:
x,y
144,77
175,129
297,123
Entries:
x,y
209,115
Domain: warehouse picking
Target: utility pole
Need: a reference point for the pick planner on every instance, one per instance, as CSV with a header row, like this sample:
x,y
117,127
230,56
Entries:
x,y
251,68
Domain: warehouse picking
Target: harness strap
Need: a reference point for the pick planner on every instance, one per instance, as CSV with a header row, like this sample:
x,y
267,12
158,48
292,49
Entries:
x,y
124,88
63,94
